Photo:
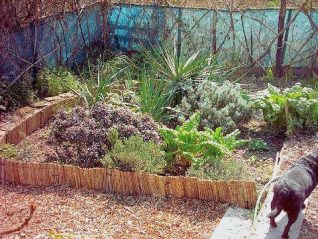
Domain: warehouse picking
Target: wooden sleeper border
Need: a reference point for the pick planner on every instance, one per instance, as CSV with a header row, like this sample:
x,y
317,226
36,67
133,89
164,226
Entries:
x,y
239,193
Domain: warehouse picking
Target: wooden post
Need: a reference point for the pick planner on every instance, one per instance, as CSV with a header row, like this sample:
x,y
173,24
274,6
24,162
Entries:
x,y
178,37
104,7
287,32
2,171
279,52
214,27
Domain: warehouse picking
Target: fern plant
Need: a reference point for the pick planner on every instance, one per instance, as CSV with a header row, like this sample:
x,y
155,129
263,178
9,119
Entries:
x,y
198,147
288,109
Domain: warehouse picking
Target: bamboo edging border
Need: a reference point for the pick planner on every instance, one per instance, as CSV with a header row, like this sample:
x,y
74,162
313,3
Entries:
x,y
239,193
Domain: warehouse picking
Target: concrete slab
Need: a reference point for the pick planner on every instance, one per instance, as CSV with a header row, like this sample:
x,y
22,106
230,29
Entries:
x,y
262,229
235,224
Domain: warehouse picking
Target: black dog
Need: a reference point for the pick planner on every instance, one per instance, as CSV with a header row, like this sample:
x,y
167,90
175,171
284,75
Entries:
x,y
292,188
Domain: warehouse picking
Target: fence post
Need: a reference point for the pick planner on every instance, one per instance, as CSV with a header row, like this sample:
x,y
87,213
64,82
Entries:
x,y
104,8
178,38
214,27
280,40
2,171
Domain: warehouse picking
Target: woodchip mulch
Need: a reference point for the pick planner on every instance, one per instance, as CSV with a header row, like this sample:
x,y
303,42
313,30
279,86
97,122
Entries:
x,y
98,215
298,146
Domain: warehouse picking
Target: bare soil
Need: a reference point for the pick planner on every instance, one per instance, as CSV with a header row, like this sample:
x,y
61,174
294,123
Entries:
x,y
97,215
259,163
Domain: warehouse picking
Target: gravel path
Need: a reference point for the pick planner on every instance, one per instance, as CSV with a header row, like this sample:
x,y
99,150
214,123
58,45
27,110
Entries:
x,y
99,215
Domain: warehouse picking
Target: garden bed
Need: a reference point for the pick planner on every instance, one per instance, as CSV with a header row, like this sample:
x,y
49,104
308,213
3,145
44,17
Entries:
x,y
241,193
95,215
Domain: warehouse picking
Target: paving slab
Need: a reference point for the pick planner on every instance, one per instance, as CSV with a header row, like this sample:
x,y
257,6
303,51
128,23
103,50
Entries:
x,y
235,224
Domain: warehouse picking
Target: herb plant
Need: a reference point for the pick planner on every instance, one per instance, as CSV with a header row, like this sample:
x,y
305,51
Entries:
x,y
220,105
134,154
257,145
8,151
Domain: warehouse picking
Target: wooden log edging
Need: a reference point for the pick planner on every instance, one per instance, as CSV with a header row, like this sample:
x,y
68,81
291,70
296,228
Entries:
x,y
239,193
34,117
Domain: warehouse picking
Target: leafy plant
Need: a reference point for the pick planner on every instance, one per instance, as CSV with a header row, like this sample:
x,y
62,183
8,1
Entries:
x,y
258,145
198,147
288,109
52,82
134,154
8,151
15,94
155,96
220,105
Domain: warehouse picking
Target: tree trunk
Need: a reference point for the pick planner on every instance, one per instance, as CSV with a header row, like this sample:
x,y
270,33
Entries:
x,y
280,40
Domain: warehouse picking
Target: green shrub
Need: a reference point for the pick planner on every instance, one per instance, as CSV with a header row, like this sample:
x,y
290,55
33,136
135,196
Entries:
x,y
15,95
219,105
52,82
8,151
198,147
134,154
81,137
78,139
258,145
218,170
105,81
288,109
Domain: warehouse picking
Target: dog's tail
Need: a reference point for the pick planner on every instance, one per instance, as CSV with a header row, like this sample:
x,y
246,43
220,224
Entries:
x,y
272,213
261,195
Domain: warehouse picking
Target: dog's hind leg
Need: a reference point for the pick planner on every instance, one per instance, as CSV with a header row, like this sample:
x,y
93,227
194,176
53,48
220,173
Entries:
x,y
292,218
274,213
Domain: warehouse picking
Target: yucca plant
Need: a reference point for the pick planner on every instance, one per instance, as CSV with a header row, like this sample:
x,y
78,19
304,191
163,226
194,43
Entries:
x,y
166,63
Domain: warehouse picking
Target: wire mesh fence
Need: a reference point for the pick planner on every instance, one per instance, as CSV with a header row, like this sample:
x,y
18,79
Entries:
x,y
52,32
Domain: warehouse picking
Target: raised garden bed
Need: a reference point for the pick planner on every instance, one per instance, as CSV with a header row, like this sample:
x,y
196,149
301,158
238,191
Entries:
x,y
241,193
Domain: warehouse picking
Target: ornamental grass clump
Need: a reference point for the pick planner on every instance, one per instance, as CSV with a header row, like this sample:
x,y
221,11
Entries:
x,y
220,105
